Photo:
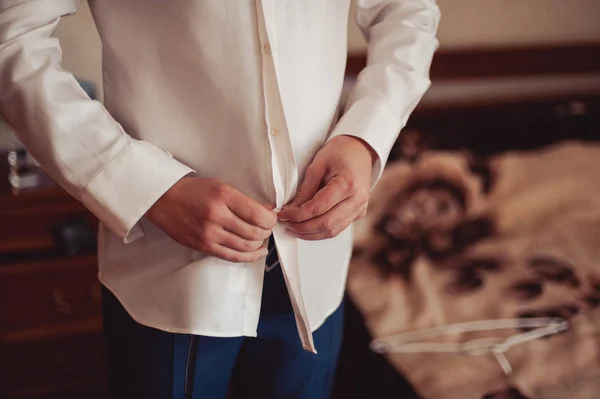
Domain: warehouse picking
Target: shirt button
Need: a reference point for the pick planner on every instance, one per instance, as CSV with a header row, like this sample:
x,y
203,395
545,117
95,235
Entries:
x,y
274,131
267,48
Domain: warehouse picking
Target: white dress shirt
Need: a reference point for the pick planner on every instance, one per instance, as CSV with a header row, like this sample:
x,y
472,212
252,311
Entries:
x,y
245,91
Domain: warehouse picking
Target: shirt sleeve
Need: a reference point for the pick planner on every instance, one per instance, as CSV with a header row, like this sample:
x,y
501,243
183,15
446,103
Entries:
x,y
73,137
401,43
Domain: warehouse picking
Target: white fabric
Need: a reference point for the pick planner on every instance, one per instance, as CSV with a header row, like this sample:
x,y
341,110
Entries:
x,y
208,82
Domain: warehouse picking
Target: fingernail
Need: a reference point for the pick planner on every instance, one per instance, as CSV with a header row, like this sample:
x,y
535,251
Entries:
x,y
282,219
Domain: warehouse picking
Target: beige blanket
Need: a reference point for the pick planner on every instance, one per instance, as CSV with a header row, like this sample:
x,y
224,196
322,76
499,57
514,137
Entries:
x,y
454,239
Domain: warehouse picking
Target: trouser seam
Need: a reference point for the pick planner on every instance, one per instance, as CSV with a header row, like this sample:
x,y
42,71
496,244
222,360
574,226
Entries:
x,y
190,367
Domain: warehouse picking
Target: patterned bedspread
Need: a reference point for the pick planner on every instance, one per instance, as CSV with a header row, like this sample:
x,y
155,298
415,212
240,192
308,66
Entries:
x,y
480,278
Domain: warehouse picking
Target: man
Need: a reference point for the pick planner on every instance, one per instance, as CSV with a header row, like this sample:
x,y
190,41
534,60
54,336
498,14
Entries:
x,y
218,142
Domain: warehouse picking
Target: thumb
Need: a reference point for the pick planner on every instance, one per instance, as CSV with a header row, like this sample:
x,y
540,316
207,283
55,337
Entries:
x,y
309,187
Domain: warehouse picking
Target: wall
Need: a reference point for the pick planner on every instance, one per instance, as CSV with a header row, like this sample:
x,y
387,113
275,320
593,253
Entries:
x,y
81,46
465,24
501,23
471,24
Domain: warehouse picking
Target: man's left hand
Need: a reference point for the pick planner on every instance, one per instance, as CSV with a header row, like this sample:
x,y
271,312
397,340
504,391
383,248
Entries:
x,y
335,190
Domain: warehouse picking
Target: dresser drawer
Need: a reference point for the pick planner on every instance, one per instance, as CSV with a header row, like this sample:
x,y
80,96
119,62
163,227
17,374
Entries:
x,y
47,293
34,230
28,221
61,367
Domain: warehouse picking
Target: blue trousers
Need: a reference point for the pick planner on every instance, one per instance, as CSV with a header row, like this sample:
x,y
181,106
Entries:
x,y
147,363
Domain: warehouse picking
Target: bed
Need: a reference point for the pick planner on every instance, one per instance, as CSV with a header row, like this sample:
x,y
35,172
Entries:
x,y
476,273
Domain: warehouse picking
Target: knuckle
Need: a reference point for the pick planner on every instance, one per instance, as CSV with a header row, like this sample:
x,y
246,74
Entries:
x,y
328,228
301,196
212,211
324,226
308,210
204,238
294,217
323,208
257,233
347,183
223,191
205,247
255,245
248,245
318,210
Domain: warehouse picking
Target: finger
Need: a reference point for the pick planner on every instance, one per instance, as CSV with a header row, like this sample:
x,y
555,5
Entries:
x,y
313,179
336,191
330,224
233,224
235,242
232,255
251,211
315,236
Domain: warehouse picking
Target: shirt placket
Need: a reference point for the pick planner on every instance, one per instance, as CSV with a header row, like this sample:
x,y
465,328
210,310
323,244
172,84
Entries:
x,y
285,176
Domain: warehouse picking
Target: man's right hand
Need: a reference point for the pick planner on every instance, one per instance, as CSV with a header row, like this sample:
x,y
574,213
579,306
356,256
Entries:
x,y
209,216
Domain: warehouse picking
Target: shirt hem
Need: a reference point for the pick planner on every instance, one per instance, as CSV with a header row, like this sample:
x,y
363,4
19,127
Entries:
x,y
175,330
328,314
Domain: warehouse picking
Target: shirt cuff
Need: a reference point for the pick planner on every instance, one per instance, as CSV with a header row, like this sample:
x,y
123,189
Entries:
x,y
129,185
372,121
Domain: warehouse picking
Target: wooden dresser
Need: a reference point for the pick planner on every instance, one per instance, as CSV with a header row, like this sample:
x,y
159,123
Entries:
x,y
51,343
